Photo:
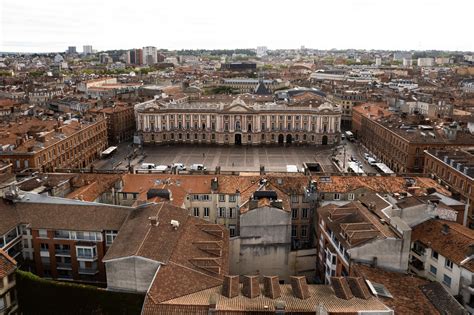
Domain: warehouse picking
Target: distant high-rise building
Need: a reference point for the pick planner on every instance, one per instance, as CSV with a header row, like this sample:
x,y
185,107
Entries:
x,y
149,55
262,51
71,50
378,61
425,62
87,49
400,55
135,56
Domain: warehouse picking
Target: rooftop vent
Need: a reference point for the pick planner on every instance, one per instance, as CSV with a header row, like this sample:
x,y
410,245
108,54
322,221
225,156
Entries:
x,y
175,224
251,287
299,287
230,288
271,287
153,220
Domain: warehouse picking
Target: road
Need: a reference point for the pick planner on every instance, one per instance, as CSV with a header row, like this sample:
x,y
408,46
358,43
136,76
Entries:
x,y
355,150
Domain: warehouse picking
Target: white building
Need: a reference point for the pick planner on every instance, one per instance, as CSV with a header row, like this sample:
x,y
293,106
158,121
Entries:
x,y
261,51
407,62
443,251
87,49
378,61
236,123
150,56
425,62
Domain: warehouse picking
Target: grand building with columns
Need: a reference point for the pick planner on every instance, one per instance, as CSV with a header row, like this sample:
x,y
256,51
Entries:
x,y
237,123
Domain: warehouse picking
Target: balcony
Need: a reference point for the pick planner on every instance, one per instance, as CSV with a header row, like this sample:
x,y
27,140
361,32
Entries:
x,y
88,271
63,252
63,266
86,257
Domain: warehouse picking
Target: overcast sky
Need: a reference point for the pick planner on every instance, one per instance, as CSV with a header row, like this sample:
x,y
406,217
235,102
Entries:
x,y
52,25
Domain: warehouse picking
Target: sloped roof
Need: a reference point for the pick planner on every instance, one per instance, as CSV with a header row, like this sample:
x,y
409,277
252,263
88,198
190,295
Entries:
x,y
7,264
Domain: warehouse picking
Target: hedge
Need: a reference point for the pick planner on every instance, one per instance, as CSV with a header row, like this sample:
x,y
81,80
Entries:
x,y
41,296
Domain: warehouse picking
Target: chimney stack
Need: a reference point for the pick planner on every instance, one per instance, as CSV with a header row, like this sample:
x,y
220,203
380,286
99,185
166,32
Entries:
x,y
153,221
230,288
358,287
214,184
251,287
445,229
299,287
271,287
341,288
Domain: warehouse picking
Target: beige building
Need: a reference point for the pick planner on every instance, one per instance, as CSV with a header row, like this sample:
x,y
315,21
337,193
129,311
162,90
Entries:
x,y
237,123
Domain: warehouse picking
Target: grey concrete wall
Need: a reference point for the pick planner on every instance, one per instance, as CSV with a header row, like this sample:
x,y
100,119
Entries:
x,y
391,253
133,274
264,244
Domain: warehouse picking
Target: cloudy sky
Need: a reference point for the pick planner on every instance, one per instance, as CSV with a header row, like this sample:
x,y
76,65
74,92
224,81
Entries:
x,y
52,25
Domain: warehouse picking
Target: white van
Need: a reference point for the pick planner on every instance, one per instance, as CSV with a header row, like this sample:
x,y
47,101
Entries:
x,y
147,166
371,161
179,166
198,167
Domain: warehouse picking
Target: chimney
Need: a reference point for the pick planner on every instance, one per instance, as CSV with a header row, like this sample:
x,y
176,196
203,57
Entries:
x,y
280,307
271,287
358,287
153,221
230,287
470,251
445,229
251,287
214,184
341,288
299,287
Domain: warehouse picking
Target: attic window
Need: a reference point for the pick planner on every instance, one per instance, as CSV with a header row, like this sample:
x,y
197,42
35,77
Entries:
x,y
279,181
378,289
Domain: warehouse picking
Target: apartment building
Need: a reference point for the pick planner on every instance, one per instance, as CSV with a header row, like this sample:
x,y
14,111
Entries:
x,y
250,85
348,99
47,144
8,295
399,141
355,233
59,238
237,123
454,168
120,122
443,251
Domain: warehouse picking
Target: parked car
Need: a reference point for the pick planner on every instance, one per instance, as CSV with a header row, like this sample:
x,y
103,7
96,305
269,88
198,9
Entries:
x,y
198,167
366,156
147,166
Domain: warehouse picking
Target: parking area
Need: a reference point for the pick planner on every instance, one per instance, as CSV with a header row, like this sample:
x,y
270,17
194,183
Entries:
x,y
231,158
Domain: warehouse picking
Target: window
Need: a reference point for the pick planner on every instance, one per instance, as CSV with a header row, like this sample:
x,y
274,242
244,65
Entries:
x,y
231,212
221,213
86,252
44,247
232,230
206,212
196,212
294,213
448,264
110,237
433,270
222,198
304,230
232,198
434,255
195,197
43,233
294,198
304,213
337,196
293,231
205,197
447,280
351,196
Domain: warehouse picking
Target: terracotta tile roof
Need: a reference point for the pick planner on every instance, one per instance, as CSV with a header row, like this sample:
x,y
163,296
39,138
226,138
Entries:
x,y
444,302
79,217
408,298
7,265
194,257
318,295
380,184
454,245
355,221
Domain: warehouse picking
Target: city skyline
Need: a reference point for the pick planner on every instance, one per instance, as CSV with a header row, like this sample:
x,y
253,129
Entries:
x,y
363,24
